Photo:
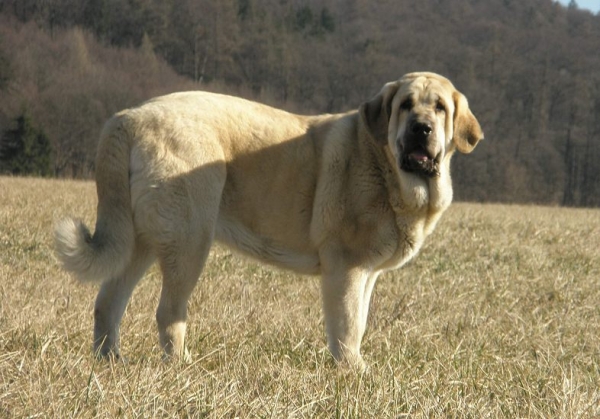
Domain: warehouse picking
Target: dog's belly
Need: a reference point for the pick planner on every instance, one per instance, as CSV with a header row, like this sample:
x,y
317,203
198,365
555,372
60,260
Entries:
x,y
238,237
267,204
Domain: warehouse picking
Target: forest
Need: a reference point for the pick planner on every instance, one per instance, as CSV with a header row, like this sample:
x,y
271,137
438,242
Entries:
x,y
531,71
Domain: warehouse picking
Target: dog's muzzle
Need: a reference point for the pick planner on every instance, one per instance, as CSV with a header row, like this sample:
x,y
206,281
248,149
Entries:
x,y
416,150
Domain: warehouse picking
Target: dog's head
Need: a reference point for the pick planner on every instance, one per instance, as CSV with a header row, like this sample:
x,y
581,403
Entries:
x,y
423,119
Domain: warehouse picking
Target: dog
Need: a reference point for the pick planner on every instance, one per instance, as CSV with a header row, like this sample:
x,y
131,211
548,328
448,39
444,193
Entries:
x,y
345,196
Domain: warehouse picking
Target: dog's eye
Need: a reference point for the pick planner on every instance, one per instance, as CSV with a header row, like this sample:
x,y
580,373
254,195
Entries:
x,y
439,107
406,105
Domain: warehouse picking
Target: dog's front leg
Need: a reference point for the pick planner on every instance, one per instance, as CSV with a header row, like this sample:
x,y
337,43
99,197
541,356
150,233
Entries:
x,y
345,293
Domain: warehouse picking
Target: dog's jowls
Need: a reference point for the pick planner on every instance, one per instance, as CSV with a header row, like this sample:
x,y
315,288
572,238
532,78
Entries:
x,y
345,196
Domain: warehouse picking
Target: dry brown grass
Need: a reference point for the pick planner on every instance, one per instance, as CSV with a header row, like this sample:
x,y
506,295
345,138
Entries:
x,y
499,316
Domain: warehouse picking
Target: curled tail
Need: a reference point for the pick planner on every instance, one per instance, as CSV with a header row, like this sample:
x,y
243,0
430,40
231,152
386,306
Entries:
x,y
106,253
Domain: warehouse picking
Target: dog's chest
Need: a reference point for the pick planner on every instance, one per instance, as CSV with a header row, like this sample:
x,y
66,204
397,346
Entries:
x,y
409,234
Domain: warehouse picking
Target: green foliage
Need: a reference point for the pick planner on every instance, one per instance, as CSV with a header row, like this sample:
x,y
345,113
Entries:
x,y
304,20
304,17
244,9
121,23
5,68
327,20
25,150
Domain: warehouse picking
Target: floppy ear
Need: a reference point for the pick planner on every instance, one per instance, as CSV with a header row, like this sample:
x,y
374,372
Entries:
x,y
467,131
375,114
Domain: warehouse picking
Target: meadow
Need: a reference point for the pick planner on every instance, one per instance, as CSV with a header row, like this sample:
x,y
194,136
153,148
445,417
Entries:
x,y
499,316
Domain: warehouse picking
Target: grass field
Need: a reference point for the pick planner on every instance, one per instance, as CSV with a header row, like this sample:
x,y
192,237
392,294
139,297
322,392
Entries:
x,y
499,316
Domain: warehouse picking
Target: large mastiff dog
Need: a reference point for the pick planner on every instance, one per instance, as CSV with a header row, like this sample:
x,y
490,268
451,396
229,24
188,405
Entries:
x,y
346,196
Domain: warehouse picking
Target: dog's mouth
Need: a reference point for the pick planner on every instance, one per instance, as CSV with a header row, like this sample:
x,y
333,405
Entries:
x,y
419,161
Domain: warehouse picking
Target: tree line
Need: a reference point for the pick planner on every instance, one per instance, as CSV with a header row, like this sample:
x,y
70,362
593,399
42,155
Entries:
x,y
531,71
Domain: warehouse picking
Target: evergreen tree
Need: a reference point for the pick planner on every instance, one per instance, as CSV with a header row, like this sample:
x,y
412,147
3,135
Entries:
x,y
5,68
25,150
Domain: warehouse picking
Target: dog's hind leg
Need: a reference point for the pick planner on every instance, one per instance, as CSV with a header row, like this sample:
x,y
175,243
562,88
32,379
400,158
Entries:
x,y
188,227
181,268
112,300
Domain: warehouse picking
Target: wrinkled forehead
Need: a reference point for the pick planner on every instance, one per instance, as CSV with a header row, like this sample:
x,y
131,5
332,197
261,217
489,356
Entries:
x,y
425,88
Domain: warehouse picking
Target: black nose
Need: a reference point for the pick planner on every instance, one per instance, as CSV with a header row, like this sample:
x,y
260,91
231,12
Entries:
x,y
421,128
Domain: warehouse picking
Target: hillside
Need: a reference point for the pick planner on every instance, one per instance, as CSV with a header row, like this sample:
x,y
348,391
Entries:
x,y
531,71
497,317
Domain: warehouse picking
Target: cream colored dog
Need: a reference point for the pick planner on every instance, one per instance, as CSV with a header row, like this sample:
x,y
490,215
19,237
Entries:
x,y
346,196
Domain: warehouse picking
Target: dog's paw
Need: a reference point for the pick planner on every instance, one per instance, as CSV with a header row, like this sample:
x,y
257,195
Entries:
x,y
185,357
